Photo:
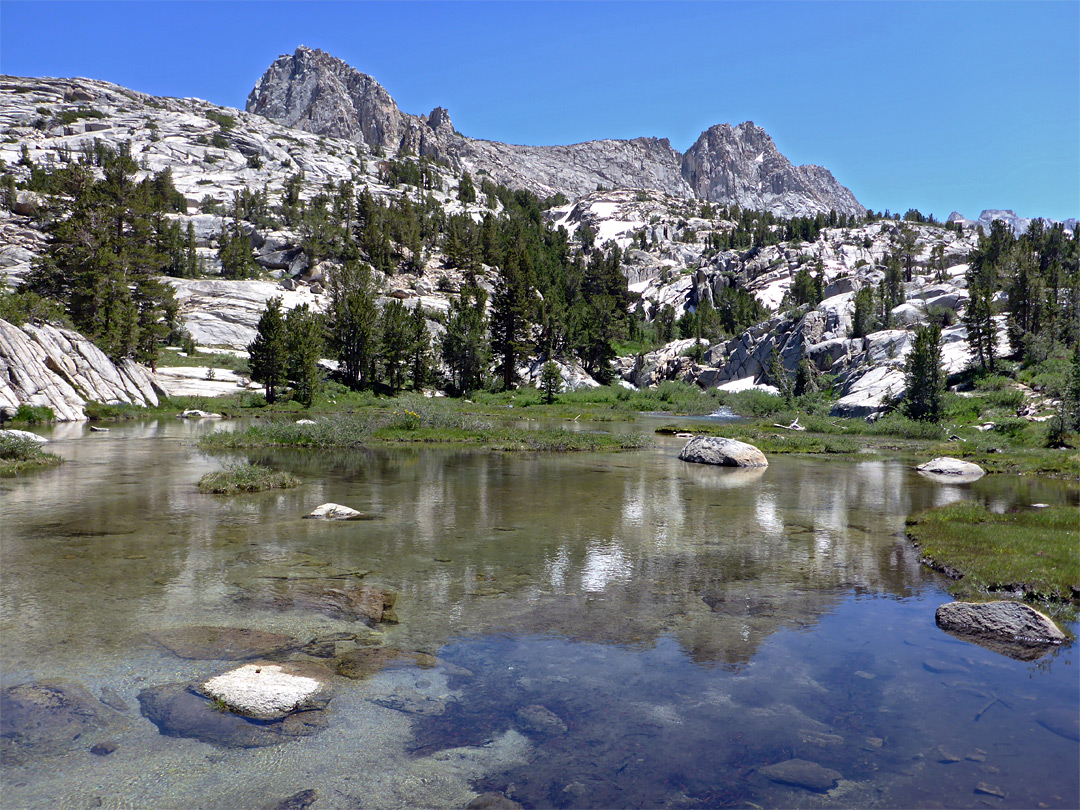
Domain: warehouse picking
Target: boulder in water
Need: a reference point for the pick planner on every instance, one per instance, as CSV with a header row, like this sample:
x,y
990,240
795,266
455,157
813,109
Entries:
x,y
264,691
723,452
954,469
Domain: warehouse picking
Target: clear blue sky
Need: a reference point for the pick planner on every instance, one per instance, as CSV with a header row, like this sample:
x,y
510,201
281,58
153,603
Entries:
x,y
932,105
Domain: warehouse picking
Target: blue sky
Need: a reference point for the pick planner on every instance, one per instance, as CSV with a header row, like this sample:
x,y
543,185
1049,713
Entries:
x,y
932,105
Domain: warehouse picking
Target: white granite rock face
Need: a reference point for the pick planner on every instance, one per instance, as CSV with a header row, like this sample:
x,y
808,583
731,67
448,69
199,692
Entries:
x,y
311,90
62,370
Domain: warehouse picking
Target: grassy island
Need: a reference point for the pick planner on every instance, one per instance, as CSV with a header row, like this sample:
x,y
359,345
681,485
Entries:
x,y
1033,552
415,423
19,455
245,478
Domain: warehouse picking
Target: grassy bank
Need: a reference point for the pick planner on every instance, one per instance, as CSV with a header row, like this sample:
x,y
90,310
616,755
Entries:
x,y
416,421
1033,552
245,478
20,455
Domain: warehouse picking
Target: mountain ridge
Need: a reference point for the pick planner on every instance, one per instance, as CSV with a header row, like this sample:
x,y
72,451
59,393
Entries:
x,y
312,90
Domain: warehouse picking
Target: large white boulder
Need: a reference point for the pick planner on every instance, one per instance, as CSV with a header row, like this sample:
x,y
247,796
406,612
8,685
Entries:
x,y
334,511
723,452
953,468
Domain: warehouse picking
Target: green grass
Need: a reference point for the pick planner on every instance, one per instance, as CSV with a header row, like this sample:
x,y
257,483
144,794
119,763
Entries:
x,y
34,414
415,421
20,455
171,359
1034,551
238,478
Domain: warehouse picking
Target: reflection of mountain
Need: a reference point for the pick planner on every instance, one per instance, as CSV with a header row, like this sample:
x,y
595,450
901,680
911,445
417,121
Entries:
x,y
620,548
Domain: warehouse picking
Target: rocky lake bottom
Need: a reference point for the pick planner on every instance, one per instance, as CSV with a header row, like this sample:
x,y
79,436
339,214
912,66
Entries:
x,y
581,630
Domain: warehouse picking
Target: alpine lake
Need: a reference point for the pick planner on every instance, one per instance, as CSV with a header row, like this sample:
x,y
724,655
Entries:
x,y
572,630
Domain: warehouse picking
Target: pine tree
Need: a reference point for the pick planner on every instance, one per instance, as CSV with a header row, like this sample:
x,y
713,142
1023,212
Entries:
x,y
267,354
511,315
464,345
419,349
864,319
466,189
303,346
351,322
550,381
394,344
923,375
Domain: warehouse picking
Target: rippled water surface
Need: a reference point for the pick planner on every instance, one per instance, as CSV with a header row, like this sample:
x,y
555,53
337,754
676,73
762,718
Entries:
x,y
621,630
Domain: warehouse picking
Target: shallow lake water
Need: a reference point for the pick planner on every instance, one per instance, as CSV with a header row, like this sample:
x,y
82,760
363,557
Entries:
x,y
595,630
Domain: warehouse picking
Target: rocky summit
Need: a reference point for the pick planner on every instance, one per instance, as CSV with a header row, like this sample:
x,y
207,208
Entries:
x,y
678,253
316,92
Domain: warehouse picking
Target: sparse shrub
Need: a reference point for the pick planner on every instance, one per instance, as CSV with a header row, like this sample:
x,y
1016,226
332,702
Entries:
x,y
245,478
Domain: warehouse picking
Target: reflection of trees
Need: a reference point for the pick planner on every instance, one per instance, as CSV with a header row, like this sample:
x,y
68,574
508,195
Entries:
x,y
616,548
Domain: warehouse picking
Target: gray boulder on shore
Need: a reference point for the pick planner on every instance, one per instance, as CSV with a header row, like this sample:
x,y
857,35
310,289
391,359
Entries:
x,y
722,452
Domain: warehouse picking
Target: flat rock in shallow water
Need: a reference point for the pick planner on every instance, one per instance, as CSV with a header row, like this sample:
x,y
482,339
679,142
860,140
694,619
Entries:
x,y
952,469
178,711
1062,722
722,452
366,661
298,801
338,598
50,718
1010,628
540,719
801,773
334,511
264,691
208,643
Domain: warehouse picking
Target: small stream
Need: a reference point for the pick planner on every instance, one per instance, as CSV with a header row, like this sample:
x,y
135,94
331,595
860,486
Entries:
x,y
579,630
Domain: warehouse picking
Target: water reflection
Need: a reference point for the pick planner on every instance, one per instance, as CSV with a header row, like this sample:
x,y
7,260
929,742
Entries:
x,y
671,599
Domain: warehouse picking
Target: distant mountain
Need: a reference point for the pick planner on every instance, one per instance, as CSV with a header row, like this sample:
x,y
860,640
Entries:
x,y
1017,223
318,93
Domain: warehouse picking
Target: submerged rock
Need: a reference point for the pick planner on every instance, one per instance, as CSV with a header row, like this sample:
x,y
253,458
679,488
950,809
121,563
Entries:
x,y
334,511
179,711
209,643
1062,722
723,452
366,661
493,801
265,691
801,773
952,468
411,703
48,718
298,801
540,720
1010,628
370,604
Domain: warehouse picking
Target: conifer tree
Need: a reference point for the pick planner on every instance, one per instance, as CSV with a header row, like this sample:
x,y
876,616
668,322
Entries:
x,y
351,322
267,353
511,316
464,345
303,346
419,349
923,375
394,344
